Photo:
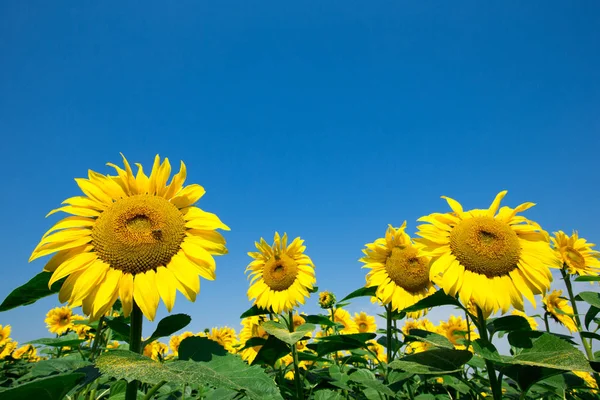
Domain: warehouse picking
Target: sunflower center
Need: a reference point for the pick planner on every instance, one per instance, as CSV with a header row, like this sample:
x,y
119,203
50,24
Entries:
x,y
485,246
138,233
362,326
280,272
407,270
574,258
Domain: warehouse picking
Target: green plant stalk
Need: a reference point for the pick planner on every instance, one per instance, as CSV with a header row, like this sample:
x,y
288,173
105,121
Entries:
x,y
153,390
494,384
297,378
546,322
388,315
97,339
586,345
135,345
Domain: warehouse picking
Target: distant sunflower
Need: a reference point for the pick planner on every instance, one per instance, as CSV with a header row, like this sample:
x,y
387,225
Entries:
x,y
576,254
4,334
378,350
225,336
457,331
280,275
176,340
532,322
7,349
251,328
495,257
559,309
134,237
398,269
156,350
26,352
365,323
59,320
422,324
343,317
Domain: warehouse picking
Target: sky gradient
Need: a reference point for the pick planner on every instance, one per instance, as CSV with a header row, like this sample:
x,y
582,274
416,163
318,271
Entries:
x,y
325,120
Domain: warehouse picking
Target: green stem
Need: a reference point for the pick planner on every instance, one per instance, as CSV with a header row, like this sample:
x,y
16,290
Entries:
x,y
586,345
97,339
135,345
153,390
388,315
496,389
546,322
297,378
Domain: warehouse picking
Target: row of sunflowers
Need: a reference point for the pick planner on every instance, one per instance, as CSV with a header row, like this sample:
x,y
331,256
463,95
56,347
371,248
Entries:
x,y
133,240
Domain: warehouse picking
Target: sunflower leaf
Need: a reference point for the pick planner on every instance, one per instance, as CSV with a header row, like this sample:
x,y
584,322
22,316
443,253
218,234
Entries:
x,y
333,343
435,362
439,298
282,333
590,315
120,327
368,379
199,349
364,291
271,351
48,388
32,291
429,337
592,298
587,278
319,320
70,339
168,326
508,323
253,311
227,371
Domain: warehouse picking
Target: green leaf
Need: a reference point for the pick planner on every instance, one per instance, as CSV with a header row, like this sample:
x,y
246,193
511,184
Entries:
x,y
439,298
508,323
319,320
330,344
340,378
50,388
486,350
587,278
315,289
592,298
436,361
551,352
282,333
368,379
590,335
527,376
70,339
58,365
271,351
199,349
429,337
119,327
168,326
255,341
525,339
364,291
328,395
590,315
226,371
253,311
31,292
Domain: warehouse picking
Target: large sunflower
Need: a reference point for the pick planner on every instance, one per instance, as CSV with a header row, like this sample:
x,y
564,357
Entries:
x,y
576,254
133,237
280,275
398,269
495,257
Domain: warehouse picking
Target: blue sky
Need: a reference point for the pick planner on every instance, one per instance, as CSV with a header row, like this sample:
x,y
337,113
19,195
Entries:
x,y
326,120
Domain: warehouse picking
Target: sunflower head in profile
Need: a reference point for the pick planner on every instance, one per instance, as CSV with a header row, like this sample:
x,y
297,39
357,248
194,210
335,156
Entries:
x,y
576,254
398,269
4,334
281,275
344,318
457,331
493,256
134,237
559,309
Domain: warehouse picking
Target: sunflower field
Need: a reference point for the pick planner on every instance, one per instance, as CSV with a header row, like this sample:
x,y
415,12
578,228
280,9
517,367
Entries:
x,y
132,240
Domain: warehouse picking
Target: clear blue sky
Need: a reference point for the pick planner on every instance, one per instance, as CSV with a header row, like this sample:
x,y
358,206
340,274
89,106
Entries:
x,y
328,120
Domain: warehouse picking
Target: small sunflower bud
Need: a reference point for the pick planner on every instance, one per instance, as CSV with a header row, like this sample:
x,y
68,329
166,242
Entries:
x,y
326,300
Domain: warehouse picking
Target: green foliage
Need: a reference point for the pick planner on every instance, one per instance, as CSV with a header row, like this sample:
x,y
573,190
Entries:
x,y
282,333
199,349
254,311
70,339
333,343
362,292
439,298
436,361
227,372
50,388
168,326
31,291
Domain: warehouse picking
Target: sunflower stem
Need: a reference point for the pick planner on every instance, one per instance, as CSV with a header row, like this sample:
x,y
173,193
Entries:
x,y
297,379
388,339
135,345
546,322
494,384
584,342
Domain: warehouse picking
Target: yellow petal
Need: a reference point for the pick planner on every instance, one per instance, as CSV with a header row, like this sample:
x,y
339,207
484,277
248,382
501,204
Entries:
x,y
199,219
161,178
64,255
66,235
167,287
454,205
142,180
188,196
126,293
176,183
93,191
87,281
106,290
80,211
145,293
73,264
153,175
85,202
70,222
54,247
496,203
188,277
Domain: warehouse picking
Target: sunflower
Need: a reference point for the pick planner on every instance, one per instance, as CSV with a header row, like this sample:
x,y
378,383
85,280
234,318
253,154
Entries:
x,y
343,317
4,334
225,336
82,330
398,269
494,256
176,340
251,328
281,276
136,238
365,323
156,350
326,300
457,331
576,254
113,345
588,379
26,352
416,346
7,348
59,320
298,320
559,309
532,322
378,350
